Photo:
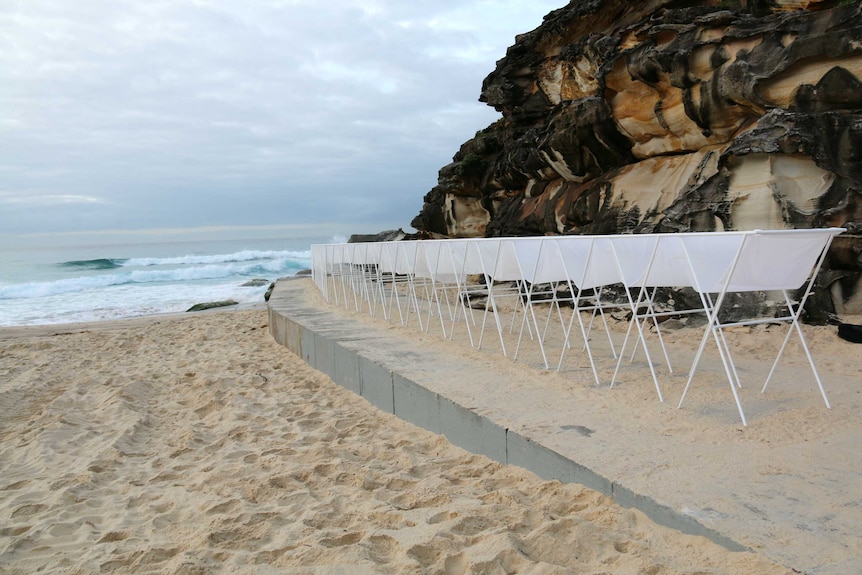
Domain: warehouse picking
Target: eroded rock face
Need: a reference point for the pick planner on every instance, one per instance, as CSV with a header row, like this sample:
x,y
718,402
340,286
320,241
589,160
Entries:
x,y
654,116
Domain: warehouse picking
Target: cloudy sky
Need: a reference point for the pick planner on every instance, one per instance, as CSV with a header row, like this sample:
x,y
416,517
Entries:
x,y
125,114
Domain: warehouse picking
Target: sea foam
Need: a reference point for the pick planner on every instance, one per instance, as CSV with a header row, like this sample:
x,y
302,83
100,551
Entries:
x,y
181,269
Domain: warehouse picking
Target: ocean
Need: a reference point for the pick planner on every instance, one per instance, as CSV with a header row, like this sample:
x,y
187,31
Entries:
x,y
54,282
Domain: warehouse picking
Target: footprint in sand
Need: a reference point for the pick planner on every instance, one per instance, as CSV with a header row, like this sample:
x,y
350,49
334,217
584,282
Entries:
x,y
164,520
179,452
346,539
205,410
400,484
407,501
113,565
64,529
29,509
14,531
472,525
114,536
164,476
455,565
225,507
381,548
441,517
231,537
425,554
325,469
271,556
391,520
285,482
156,556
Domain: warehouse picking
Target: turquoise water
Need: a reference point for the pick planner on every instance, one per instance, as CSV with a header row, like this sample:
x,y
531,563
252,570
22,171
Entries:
x,y
54,282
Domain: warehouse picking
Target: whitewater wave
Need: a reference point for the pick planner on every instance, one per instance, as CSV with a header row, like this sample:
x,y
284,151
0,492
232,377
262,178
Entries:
x,y
243,256
240,269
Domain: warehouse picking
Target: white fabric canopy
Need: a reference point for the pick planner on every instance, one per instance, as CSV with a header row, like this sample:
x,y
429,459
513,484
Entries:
x,y
439,271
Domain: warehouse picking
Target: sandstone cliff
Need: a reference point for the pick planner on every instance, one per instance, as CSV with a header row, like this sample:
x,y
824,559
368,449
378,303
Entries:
x,y
671,116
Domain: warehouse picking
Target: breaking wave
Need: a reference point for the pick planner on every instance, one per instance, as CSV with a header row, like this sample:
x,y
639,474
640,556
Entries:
x,y
97,264
237,257
241,256
241,265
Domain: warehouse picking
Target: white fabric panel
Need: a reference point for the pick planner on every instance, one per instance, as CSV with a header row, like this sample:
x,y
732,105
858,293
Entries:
x,y
692,259
333,254
772,260
364,253
405,257
370,253
635,254
388,257
347,253
758,260
422,268
483,255
537,258
465,256
506,266
669,265
398,257
486,252
434,261
591,264
711,256
319,257
319,262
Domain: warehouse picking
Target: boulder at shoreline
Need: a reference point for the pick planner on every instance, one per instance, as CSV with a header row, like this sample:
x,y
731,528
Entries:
x,y
212,304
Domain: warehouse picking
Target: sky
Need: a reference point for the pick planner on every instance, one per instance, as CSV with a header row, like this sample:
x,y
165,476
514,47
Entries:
x,y
174,114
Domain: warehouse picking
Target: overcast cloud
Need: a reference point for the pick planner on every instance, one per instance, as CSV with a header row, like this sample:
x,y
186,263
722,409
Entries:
x,y
123,114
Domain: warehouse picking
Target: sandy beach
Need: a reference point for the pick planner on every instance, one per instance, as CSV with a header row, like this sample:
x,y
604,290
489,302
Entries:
x,y
196,444
784,486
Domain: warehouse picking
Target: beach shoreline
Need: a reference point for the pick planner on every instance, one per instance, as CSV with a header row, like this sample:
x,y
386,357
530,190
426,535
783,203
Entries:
x,y
48,329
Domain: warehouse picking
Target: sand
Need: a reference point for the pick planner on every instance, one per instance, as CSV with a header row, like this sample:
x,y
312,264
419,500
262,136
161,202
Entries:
x,y
785,486
196,444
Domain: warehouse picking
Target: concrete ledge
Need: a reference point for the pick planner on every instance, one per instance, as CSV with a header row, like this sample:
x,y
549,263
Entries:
x,y
416,404
307,347
324,355
670,518
376,385
548,464
471,431
387,372
347,369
